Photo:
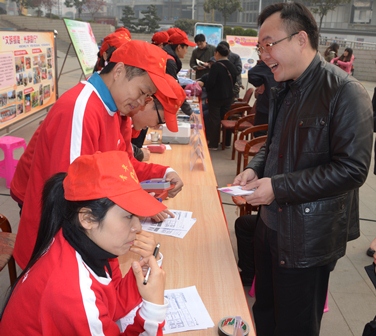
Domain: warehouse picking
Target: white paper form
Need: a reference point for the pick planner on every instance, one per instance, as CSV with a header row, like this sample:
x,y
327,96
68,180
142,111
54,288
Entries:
x,y
185,311
176,227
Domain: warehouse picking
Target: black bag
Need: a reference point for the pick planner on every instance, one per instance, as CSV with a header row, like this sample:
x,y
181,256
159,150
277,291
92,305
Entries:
x,y
370,328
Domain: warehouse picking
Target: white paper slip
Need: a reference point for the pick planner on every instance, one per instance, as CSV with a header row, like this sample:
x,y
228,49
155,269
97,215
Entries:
x,y
177,227
185,311
236,191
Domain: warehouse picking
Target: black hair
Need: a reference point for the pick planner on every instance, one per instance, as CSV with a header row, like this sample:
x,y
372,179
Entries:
x,y
174,46
333,47
56,213
200,38
225,43
347,58
130,71
222,49
296,17
101,61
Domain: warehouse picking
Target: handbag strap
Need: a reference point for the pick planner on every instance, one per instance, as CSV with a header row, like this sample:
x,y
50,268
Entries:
x,y
228,72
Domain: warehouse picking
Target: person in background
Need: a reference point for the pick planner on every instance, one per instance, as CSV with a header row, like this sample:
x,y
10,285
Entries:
x,y
160,39
218,83
86,119
262,78
110,43
331,52
345,61
236,60
245,227
307,176
203,52
176,49
90,215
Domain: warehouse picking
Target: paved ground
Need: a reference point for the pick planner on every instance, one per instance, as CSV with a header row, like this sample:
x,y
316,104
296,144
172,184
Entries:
x,y
351,295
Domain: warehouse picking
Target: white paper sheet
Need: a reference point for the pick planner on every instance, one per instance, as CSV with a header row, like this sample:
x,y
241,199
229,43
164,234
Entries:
x,y
186,311
176,227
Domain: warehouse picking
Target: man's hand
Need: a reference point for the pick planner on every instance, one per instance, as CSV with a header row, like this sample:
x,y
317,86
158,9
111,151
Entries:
x,y
200,83
245,177
174,178
263,195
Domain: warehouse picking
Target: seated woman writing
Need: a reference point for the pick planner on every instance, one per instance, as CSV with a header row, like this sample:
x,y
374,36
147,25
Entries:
x,y
345,61
72,284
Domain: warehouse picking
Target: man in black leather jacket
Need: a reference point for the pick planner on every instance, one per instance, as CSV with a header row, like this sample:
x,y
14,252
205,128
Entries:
x,y
306,178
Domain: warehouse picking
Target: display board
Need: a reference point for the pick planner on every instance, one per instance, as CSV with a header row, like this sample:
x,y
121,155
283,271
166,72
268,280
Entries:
x,y
245,47
84,44
213,32
27,74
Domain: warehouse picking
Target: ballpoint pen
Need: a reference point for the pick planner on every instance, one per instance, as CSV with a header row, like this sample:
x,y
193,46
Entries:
x,y
155,254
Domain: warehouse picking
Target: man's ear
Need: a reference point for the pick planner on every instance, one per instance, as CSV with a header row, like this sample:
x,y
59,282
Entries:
x,y
118,70
303,38
86,218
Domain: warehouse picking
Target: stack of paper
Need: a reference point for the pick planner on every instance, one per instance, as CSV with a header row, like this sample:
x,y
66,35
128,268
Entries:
x,y
236,191
176,227
185,311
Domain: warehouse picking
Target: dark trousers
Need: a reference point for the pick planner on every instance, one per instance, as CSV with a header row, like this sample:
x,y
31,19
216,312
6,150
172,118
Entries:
x,y
245,227
289,301
217,110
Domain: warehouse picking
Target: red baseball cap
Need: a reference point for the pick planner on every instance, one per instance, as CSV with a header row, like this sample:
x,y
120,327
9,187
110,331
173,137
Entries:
x,y
148,57
109,174
170,105
160,37
180,37
172,30
115,39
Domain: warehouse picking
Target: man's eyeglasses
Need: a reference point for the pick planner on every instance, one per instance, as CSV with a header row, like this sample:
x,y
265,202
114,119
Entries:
x,y
160,121
268,47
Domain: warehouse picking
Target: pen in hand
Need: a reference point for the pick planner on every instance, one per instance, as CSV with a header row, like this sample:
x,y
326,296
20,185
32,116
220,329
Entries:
x,y
155,254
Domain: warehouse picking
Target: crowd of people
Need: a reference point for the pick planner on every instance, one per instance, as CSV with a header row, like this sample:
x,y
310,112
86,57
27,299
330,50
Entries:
x,y
77,184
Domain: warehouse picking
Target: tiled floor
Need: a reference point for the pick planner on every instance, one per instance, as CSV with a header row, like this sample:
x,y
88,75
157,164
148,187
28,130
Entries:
x,y
352,297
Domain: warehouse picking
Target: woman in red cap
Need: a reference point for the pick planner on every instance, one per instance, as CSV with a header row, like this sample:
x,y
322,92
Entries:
x,y
72,284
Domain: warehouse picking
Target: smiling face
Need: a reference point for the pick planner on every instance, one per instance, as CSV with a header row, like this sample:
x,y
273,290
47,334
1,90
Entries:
x,y
282,57
128,95
116,233
148,117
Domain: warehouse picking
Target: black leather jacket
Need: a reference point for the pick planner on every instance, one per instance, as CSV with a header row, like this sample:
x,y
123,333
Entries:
x,y
324,157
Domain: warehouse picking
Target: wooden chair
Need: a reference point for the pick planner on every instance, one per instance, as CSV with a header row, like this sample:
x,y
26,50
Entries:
x,y
251,147
243,101
244,207
229,121
241,125
7,239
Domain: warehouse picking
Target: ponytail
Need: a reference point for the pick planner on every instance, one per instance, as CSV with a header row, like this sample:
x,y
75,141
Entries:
x,y
53,205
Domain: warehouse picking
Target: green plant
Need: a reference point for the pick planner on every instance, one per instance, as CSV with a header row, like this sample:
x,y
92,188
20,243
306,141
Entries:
x,y
227,30
238,31
186,25
250,32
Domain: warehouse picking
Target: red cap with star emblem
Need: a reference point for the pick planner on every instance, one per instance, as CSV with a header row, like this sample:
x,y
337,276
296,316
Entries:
x,y
170,105
109,174
148,57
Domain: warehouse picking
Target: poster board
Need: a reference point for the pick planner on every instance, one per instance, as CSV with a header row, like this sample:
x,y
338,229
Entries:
x,y
245,47
213,32
84,44
27,74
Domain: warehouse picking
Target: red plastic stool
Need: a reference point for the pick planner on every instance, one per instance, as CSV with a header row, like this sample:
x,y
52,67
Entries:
x,y
251,293
8,166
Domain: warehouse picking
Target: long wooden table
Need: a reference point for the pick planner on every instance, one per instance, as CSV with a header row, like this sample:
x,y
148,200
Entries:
x,y
204,257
